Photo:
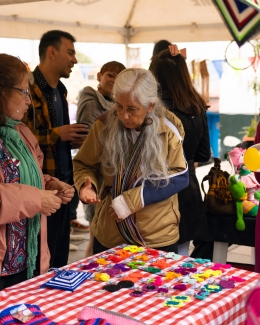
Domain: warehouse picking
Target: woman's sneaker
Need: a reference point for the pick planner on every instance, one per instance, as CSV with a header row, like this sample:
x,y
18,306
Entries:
x,y
77,226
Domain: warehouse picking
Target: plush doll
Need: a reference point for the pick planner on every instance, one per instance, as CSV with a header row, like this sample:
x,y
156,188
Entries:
x,y
236,158
244,207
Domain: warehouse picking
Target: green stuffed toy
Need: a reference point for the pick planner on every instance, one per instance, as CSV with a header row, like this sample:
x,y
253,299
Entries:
x,y
243,206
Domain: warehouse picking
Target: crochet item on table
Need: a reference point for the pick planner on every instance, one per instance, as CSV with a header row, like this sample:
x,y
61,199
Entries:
x,y
39,318
95,321
88,313
67,280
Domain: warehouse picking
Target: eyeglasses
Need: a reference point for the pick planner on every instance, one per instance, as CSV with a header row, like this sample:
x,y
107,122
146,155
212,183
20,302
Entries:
x,y
25,92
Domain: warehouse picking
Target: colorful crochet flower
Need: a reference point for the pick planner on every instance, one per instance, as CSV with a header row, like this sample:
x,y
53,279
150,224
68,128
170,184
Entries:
x,y
181,287
227,284
150,287
171,303
133,249
102,277
173,256
152,269
89,266
137,293
152,252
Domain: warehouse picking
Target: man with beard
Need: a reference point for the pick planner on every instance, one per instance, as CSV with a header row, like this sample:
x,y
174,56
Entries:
x,y
48,119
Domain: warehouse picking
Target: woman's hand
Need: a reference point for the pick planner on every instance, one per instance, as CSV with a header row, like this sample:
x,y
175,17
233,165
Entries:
x,y
50,202
64,191
113,214
87,193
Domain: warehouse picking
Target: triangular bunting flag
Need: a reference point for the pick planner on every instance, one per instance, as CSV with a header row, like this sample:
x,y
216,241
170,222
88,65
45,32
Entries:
x,y
243,21
218,64
254,62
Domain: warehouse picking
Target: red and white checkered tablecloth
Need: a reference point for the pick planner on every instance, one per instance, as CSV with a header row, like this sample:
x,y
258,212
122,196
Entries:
x,y
225,307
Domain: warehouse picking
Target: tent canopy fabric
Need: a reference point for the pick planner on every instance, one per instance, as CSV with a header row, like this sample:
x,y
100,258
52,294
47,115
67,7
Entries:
x,y
115,21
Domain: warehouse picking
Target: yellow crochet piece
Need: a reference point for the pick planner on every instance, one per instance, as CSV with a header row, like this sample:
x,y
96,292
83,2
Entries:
x,y
102,261
133,249
102,277
142,257
208,273
199,277
172,275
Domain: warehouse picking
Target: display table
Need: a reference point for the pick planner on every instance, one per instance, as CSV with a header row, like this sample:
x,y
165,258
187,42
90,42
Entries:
x,y
224,307
223,232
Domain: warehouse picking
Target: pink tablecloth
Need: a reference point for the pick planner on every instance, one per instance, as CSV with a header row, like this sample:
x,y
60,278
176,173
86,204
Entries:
x,y
225,307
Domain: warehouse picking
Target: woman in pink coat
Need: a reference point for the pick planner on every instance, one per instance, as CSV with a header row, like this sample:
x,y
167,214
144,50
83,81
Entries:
x,y
26,195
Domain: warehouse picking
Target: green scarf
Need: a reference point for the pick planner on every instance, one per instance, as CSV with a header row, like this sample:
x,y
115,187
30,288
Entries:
x,y
30,175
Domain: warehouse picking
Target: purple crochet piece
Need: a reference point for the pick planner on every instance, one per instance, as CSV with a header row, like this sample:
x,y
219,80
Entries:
x,y
226,284
112,272
182,270
150,287
122,267
181,287
90,266
165,290
137,293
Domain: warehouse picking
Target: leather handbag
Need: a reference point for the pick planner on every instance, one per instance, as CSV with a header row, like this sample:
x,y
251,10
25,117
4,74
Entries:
x,y
218,200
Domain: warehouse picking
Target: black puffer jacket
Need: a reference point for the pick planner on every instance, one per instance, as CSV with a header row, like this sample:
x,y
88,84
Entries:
x,y
193,224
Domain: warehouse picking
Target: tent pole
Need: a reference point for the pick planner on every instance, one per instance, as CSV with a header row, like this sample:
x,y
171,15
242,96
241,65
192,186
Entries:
x,y
128,33
127,52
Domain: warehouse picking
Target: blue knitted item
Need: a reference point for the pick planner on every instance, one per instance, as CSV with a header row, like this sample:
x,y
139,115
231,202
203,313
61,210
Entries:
x,y
67,280
39,318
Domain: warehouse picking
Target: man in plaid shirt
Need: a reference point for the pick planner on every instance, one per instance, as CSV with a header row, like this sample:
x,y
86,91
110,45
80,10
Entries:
x,y
48,119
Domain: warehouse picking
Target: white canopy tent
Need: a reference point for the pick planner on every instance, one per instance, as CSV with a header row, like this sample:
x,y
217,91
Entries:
x,y
114,21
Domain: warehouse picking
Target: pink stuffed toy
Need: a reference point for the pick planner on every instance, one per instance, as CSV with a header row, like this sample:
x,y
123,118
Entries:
x,y
236,158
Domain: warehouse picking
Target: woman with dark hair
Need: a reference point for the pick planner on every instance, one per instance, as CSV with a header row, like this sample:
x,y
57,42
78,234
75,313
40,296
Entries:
x,y
160,46
178,94
91,105
26,195
135,150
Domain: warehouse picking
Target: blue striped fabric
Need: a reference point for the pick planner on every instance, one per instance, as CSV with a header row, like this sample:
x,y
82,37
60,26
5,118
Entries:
x,y
67,280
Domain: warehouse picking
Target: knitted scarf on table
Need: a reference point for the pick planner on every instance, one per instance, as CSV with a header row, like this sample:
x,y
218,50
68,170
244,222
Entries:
x,y
123,181
30,175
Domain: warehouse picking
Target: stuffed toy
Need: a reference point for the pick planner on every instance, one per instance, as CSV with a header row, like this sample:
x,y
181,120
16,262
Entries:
x,y
243,206
236,159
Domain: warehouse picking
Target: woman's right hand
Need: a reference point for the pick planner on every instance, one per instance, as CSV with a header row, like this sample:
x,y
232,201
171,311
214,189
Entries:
x,y
87,193
50,202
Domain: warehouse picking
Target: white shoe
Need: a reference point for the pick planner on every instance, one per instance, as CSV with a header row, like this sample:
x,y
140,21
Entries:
x,y
73,247
77,237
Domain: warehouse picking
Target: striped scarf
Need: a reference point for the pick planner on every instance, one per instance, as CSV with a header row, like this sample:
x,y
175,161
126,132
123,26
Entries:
x,y
123,181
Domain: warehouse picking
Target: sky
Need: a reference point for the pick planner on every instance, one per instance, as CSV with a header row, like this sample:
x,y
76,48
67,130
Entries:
x,y
100,53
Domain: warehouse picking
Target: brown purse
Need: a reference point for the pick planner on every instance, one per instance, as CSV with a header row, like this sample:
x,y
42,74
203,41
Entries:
x,y
218,200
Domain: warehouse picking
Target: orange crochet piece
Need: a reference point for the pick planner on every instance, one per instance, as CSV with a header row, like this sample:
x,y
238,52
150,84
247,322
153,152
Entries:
x,y
161,264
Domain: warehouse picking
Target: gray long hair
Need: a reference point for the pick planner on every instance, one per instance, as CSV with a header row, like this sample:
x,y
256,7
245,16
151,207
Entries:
x,y
116,139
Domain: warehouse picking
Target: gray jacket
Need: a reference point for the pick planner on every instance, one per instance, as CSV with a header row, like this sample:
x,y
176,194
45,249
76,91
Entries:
x,y
91,105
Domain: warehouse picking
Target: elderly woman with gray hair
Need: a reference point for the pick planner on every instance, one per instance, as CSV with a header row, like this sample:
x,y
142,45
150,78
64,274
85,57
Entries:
x,y
136,148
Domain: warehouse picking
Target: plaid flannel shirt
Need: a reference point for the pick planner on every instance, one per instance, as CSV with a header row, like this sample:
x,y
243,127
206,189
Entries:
x,y
42,120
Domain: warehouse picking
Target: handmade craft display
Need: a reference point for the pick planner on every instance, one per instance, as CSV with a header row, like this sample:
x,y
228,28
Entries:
x,y
164,289
142,271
